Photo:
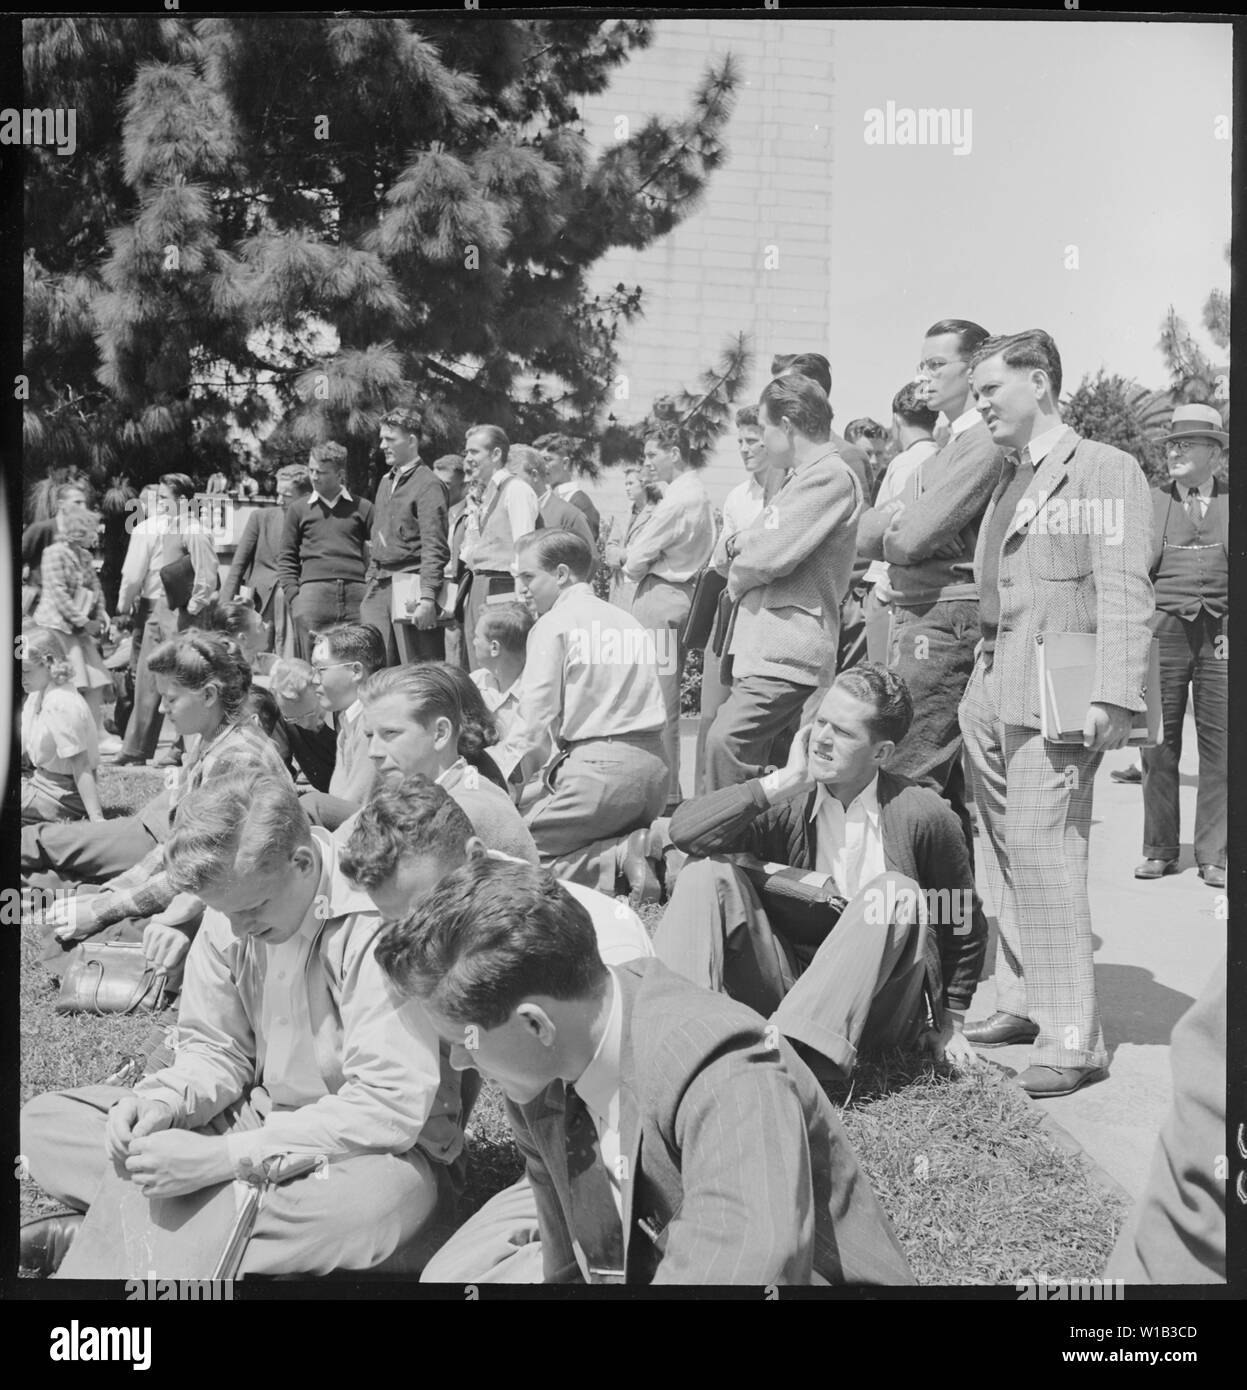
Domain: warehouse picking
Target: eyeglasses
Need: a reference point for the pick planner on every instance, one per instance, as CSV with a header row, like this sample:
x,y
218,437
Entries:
x,y
935,364
318,671
1187,446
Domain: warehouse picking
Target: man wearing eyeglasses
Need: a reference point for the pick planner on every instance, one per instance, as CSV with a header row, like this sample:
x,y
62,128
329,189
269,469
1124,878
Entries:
x,y
1190,573
343,658
927,537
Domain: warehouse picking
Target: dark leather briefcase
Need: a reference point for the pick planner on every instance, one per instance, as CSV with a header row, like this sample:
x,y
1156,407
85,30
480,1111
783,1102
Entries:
x,y
802,905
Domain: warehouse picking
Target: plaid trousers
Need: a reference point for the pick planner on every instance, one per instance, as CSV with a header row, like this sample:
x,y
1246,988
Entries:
x,y
1034,801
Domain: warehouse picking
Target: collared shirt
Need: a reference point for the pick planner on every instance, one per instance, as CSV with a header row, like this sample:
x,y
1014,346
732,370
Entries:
x,y
520,504
1043,444
679,539
354,773
591,672
899,478
348,1067
154,542
1203,493
502,704
598,1087
849,839
964,420
741,508
329,503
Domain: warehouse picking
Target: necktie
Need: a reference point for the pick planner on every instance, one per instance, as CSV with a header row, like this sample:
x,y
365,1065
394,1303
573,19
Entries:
x,y
1193,507
595,1222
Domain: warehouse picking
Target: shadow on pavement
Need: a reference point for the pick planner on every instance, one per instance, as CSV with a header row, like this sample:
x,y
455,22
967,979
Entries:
x,y
1135,1007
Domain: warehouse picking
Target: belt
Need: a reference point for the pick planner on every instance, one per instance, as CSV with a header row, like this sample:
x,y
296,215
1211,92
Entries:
x,y
634,736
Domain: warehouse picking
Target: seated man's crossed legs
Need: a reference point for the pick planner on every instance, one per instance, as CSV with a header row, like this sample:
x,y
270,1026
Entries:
x,y
862,987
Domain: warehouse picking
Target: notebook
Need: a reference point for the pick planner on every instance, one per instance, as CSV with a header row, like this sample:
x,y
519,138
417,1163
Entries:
x,y
1066,677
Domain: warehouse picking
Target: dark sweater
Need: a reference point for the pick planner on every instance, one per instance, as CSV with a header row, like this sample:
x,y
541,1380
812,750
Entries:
x,y
409,532
957,485
921,838
323,543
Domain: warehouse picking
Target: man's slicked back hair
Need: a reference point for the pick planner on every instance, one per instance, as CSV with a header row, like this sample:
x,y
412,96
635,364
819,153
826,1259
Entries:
x,y
969,334
1024,352
803,401
232,825
491,934
872,683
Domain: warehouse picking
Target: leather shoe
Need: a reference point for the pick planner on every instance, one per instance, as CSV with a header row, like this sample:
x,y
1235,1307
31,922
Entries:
x,y
1043,1081
1213,875
46,1242
1000,1030
1132,775
639,871
1156,868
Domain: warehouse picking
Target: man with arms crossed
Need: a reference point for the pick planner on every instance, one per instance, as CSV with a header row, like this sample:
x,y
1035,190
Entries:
x,y
789,574
928,540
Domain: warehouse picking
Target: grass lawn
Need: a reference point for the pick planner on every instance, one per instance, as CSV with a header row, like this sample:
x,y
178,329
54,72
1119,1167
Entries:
x,y
977,1190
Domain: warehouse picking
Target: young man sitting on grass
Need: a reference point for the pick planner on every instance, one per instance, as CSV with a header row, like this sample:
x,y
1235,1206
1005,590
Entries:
x,y
290,1048
405,840
897,856
500,647
343,657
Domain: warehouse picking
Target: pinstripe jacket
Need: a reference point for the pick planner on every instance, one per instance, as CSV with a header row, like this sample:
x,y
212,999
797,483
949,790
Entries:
x,y
1062,570
737,1169
790,572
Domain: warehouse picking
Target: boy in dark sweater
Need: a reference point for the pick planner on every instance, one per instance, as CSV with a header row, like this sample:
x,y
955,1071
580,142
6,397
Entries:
x,y
324,550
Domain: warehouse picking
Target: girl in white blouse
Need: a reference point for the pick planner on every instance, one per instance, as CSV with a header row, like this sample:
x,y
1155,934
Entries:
x,y
58,736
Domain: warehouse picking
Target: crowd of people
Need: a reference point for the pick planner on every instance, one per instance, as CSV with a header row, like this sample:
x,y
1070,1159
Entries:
x,y
492,759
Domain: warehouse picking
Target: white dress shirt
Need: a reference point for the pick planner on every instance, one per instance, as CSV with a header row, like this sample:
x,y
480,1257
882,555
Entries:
x,y
598,1087
591,672
518,500
679,539
1043,444
741,508
965,420
1203,492
849,838
899,476
331,502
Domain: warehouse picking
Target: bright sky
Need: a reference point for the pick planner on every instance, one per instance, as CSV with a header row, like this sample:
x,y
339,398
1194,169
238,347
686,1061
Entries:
x,y
1094,135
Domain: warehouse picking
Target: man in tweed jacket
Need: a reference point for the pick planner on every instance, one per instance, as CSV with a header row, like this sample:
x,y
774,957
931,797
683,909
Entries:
x,y
1064,547
789,573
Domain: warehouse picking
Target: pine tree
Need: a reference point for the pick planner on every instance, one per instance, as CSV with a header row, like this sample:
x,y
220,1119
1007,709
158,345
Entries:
x,y
313,218
705,414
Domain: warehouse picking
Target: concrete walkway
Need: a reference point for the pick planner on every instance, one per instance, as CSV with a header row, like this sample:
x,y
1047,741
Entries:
x,y
1157,943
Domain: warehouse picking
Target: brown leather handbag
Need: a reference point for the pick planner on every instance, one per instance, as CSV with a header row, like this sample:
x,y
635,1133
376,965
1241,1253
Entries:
x,y
111,977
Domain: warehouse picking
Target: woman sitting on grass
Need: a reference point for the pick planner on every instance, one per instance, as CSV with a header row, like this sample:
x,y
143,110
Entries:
x,y
204,680
430,718
58,736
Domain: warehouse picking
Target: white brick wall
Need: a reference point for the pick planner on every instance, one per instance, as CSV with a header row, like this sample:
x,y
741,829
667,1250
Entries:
x,y
706,280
